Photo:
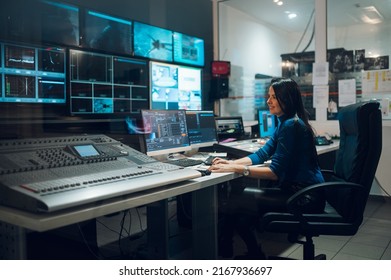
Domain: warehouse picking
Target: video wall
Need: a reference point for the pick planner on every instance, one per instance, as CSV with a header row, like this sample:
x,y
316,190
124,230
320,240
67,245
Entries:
x,y
91,62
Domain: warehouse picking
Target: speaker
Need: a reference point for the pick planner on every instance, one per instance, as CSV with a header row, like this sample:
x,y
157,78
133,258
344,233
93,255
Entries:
x,y
219,88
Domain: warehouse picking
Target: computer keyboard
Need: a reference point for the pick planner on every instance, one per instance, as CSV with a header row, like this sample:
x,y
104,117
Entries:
x,y
185,162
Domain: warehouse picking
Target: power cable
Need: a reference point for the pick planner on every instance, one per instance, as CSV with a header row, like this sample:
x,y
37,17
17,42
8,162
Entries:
x,y
305,30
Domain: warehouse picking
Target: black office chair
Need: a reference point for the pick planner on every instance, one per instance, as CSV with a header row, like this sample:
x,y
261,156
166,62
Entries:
x,y
347,189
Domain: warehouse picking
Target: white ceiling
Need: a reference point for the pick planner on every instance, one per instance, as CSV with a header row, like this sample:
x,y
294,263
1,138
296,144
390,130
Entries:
x,y
340,12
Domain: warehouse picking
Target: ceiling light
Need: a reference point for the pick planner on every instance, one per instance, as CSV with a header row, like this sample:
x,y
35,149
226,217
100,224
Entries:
x,y
292,15
275,1
279,3
371,15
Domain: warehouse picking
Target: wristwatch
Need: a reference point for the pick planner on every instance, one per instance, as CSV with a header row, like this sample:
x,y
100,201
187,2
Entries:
x,y
246,171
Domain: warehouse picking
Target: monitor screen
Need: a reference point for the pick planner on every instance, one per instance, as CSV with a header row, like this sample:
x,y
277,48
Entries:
x,y
175,87
106,84
229,127
32,74
201,127
267,123
107,33
59,23
188,49
165,132
152,42
39,22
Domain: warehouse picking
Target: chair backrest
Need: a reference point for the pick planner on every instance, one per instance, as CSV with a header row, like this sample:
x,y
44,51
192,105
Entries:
x,y
358,156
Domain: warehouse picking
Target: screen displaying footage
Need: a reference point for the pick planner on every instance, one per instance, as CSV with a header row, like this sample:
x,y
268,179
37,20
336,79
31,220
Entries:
x,y
188,49
107,33
153,42
39,22
106,84
175,87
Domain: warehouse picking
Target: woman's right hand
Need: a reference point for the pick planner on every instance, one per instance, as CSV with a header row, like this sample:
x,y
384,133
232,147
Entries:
x,y
218,160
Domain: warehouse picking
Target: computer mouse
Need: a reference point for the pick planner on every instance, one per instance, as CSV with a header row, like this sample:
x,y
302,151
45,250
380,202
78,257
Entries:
x,y
204,172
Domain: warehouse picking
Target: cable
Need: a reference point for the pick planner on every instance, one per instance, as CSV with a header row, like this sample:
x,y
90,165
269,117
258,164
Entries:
x,y
312,37
305,30
98,257
381,187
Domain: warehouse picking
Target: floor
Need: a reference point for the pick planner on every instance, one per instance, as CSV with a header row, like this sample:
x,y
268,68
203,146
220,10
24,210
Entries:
x,y
372,242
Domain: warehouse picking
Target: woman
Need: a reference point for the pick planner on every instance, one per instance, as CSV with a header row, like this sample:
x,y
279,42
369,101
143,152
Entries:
x,y
293,166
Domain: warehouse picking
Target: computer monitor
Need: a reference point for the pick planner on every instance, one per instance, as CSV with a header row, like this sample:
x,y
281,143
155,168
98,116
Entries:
x,y
107,33
40,21
152,42
175,87
267,123
32,74
106,84
188,49
165,132
229,127
201,127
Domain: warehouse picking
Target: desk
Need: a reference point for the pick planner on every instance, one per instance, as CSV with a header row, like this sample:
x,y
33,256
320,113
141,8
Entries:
x,y
16,223
242,148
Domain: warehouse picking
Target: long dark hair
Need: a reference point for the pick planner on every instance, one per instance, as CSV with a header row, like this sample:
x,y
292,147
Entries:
x,y
288,95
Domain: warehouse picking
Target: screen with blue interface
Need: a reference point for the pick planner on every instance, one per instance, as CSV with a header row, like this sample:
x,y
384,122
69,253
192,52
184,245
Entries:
x,y
188,49
152,42
267,123
32,74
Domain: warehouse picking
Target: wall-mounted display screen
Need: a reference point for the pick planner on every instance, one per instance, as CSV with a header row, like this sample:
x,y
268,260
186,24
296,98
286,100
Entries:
x,y
32,74
153,42
105,84
107,33
40,22
59,23
188,49
175,87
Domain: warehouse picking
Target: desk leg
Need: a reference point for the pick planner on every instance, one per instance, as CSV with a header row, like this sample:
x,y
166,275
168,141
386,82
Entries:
x,y
157,225
204,225
12,242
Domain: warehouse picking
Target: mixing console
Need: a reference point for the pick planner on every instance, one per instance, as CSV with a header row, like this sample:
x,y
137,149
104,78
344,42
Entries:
x,y
50,174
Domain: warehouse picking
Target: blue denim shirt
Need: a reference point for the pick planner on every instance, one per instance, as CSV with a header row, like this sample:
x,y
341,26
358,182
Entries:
x,y
291,151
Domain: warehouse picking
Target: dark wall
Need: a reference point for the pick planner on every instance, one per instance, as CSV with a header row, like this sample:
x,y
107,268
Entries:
x,y
192,17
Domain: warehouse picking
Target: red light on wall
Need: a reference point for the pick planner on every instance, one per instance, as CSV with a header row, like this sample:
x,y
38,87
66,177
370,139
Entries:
x,y
221,68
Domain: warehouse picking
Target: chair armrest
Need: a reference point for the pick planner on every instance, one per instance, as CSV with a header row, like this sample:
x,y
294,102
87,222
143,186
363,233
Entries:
x,y
327,172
